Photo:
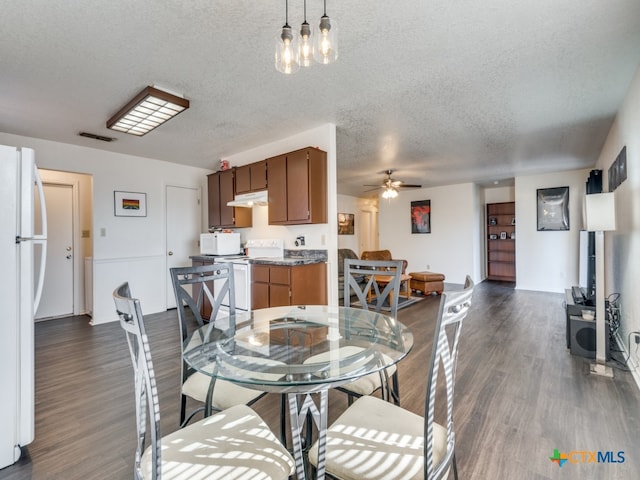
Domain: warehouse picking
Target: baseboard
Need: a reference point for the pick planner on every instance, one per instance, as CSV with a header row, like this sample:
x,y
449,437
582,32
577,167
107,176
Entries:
x,y
631,364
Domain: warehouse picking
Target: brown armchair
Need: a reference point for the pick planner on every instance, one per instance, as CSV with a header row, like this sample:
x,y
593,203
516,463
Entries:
x,y
382,255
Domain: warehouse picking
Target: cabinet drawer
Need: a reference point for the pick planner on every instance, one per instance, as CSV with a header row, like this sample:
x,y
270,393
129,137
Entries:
x,y
260,273
280,275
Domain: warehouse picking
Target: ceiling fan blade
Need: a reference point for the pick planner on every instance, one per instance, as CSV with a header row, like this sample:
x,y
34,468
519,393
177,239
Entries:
x,y
371,189
378,186
408,185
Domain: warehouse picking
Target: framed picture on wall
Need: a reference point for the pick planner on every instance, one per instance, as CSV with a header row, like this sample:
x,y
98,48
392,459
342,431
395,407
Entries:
x,y
421,216
553,208
345,224
129,204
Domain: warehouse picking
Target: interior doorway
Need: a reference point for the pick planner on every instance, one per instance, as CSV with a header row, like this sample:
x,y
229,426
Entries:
x,y
69,199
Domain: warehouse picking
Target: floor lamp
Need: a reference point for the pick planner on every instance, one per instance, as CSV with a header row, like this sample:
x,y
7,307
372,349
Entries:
x,y
600,216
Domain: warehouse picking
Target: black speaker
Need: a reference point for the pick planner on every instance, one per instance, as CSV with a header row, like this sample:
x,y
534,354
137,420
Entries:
x,y
583,338
594,182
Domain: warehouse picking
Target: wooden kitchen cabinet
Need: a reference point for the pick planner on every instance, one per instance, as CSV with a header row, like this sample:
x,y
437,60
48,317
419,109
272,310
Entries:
x,y
298,187
281,285
252,177
221,189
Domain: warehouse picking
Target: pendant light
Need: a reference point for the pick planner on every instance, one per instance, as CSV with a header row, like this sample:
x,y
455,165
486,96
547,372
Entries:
x,y
326,48
305,45
286,47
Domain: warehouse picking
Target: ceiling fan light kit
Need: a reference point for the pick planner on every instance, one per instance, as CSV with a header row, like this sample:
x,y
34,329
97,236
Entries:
x,y
391,186
294,51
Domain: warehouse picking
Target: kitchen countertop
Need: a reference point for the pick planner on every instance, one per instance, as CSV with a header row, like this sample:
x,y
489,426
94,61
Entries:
x,y
290,258
289,261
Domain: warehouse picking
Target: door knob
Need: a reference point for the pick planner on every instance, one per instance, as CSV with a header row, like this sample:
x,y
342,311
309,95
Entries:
x,y
170,253
68,257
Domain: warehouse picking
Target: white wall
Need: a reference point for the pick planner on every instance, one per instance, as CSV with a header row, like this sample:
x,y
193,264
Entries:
x,y
622,247
133,248
452,246
548,261
318,236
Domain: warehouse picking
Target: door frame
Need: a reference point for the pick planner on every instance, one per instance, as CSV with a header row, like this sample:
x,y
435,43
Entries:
x,y
75,233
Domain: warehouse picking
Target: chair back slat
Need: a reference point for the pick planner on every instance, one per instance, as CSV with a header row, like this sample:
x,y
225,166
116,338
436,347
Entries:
x,y
146,391
454,307
362,278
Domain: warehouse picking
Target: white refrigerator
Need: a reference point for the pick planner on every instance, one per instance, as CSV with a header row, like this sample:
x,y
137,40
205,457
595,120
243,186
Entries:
x,y
20,289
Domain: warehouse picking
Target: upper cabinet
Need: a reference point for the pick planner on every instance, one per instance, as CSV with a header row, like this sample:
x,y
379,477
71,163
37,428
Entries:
x,y
252,177
298,187
221,187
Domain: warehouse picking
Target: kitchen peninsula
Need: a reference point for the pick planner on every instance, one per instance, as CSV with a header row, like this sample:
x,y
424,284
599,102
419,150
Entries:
x,y
297,277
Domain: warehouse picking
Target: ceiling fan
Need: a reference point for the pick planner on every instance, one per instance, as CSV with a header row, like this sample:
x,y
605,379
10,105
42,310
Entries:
x,y
392,185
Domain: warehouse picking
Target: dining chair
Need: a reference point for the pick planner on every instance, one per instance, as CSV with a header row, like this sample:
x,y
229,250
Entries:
x,y
235,443
195,294
377,440
361,279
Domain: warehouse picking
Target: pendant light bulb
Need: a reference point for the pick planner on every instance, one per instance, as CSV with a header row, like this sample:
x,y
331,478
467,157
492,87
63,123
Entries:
x,y
287,60
305,45
326,45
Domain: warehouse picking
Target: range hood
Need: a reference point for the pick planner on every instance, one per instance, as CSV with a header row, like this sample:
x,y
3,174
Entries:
x,y
249,200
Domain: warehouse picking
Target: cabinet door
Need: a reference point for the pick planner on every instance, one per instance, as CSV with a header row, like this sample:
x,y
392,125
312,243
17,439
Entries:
x,y
279,295
309,284
277,171
243,179
258,176
298,187
213,187
227,193
259,295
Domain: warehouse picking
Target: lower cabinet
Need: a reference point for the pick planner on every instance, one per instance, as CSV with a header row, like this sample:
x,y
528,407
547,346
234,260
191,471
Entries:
x,y
281,285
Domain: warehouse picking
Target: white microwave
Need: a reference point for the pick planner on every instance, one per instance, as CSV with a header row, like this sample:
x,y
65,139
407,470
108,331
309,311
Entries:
x,y
219,243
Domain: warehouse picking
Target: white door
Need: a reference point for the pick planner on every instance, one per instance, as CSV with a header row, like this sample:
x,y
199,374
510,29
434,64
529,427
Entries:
x,y
57,293
183,224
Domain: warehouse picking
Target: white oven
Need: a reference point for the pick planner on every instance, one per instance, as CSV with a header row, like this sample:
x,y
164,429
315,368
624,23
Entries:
x,y
269,248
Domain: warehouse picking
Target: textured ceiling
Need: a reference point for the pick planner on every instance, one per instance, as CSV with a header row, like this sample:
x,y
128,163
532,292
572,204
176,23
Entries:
x,y
442,92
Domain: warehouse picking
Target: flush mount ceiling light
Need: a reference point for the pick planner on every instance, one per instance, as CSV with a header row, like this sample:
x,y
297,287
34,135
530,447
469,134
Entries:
x,y
148,110
293,51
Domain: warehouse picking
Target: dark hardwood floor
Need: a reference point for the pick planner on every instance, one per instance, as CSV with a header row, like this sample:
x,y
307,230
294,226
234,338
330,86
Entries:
x,y
520,395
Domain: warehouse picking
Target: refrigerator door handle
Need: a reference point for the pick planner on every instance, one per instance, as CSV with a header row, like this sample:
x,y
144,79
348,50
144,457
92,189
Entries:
x,y
41,239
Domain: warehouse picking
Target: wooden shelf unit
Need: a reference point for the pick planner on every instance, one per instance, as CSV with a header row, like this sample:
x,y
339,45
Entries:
x,y
501,241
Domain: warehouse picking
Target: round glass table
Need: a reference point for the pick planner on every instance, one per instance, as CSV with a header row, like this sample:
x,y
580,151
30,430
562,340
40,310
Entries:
x,y
299,350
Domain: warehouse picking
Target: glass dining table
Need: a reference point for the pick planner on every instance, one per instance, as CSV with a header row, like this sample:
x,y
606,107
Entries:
x,y
299,351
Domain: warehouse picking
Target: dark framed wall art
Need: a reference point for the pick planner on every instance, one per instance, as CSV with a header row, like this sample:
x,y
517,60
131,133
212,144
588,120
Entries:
x,y
129,204
421,216
553,208
618,170
345,224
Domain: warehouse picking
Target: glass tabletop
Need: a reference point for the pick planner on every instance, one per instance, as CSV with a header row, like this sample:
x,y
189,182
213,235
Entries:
x,y
297,348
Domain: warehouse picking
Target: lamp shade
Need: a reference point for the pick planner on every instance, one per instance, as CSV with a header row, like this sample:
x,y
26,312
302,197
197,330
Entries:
x,y
600,212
